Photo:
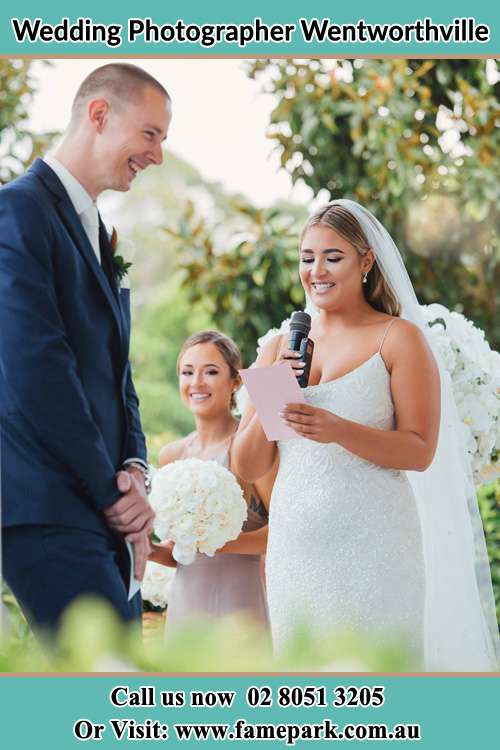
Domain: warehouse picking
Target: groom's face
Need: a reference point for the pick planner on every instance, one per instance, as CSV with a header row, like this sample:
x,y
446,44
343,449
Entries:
x,y
132,138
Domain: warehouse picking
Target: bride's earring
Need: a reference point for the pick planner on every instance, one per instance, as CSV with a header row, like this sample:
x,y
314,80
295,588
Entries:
x,y
365,277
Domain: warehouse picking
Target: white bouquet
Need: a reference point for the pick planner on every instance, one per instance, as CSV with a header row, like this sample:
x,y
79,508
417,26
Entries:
x,y
199,506
475,376
156,583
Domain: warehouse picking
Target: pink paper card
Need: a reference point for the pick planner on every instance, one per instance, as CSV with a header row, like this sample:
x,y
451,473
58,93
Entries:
x,y
270,389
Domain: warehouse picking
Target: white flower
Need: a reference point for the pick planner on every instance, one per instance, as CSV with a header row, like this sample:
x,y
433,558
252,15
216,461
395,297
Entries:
x,y
475,377
199,506
156,583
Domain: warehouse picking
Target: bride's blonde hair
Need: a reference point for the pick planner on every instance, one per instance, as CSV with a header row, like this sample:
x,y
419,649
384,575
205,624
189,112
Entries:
x,y
376,290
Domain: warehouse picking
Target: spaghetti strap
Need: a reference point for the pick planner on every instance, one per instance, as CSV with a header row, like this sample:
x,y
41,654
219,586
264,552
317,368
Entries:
x,y
189,441
385,334
228,449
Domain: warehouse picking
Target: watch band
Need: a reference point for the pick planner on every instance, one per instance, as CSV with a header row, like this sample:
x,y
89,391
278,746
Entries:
x,y
143,468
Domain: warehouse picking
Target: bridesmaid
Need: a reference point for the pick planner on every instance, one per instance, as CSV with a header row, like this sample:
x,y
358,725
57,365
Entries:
x,y
231,581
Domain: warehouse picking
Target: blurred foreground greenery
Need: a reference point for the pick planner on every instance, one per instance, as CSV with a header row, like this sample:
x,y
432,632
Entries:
x,y
489,505
92,640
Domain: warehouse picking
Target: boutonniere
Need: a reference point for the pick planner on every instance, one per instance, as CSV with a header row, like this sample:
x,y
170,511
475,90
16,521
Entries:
x,y
120,265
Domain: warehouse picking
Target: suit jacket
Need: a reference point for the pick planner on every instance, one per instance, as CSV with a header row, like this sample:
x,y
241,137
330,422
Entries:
x,y
68,408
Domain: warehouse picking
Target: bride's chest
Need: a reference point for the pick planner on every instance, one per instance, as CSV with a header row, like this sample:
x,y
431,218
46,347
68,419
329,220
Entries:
x,y
362,395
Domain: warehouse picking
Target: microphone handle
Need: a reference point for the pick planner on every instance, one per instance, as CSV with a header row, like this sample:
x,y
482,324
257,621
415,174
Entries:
x,y
306,352
300,343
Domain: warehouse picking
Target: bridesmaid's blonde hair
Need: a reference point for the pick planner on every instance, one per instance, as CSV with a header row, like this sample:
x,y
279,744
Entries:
x,y
376,290
226,346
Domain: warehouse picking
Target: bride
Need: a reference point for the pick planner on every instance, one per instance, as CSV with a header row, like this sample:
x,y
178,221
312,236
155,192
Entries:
x,y
374,523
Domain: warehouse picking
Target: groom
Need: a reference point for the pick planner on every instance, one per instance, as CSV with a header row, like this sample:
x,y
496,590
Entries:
x,y
73,458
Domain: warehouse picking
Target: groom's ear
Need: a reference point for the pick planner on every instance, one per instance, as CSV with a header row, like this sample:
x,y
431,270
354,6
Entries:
x,y
98,112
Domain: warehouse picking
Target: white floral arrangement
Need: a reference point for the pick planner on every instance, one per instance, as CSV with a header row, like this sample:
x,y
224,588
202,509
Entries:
x,y
156,584
474,369
199,506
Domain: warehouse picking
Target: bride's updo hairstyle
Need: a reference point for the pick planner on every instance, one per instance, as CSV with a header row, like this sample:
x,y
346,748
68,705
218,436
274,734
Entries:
x,y
376,290
226,346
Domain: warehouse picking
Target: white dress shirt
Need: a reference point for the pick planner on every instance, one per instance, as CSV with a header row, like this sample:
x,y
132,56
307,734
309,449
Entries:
x,y
81,200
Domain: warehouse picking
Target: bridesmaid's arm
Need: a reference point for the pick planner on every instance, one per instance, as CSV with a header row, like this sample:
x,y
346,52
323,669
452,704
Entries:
x,y
254,542
253,455
248,543
415,389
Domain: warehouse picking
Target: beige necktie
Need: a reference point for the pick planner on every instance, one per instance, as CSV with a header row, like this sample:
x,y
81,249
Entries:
x,y
90,221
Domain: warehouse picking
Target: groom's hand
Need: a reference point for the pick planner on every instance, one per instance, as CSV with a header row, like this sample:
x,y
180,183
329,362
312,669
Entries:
x,y
132,514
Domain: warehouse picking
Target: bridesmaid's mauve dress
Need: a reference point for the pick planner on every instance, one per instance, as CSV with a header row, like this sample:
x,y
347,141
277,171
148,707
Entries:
x,y
224,584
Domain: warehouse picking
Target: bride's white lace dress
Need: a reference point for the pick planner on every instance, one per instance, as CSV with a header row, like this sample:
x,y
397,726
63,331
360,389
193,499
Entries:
x,y
345,547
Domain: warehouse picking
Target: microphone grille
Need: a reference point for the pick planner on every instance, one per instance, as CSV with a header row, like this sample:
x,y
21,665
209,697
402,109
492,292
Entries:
x,y
301,321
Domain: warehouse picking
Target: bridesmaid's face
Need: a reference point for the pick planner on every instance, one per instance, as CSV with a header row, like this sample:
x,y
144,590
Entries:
x,y
205,381
331,269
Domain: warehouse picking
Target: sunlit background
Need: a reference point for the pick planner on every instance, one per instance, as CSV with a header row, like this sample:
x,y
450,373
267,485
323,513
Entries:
x,y
219,124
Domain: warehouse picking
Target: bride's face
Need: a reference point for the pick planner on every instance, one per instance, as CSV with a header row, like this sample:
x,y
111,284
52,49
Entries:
x,y
205,381
331,269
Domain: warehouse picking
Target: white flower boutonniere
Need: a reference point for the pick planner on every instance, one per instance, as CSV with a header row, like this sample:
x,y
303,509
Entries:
x,y
121,250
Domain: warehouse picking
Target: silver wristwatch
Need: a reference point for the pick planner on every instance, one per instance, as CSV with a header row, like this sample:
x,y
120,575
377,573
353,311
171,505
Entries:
x,y
144,469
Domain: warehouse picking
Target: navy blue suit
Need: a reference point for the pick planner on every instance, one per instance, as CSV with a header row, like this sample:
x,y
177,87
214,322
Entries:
x,y
68,409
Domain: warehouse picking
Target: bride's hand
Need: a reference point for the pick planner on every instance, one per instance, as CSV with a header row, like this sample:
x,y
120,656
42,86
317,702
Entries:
x,y
292,358
310,422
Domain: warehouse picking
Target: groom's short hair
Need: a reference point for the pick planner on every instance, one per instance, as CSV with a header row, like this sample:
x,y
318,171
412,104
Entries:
x,y
121,81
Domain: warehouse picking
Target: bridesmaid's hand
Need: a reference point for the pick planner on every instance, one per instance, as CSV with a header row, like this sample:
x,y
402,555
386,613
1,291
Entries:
x,y
162,554
310,422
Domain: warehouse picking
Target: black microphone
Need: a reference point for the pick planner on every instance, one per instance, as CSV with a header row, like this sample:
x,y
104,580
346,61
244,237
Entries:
x,y
299,341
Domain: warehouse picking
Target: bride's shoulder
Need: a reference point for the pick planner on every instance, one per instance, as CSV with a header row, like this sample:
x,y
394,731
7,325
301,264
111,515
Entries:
x,y
399,329
269,351
403,339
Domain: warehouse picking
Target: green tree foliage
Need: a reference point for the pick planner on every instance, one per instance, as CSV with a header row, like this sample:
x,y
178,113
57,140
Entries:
x,y
413,141
489,505
160,329
18,145
417,142
244,273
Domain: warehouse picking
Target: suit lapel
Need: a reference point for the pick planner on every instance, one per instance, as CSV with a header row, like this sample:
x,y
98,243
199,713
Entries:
x,y
73,224
107,264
